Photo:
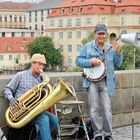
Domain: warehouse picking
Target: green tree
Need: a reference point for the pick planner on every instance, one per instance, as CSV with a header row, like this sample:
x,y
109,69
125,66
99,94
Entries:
x,y
45,45
128,57
89,38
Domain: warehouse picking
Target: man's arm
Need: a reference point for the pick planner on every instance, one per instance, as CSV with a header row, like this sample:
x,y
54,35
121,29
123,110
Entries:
x,y
11,88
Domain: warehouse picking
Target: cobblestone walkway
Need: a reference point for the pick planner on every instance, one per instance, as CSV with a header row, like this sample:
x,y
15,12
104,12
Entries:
x,y
125,133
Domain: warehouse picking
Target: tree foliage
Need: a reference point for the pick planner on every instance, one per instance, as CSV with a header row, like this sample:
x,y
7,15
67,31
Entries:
x,y
128,55
45,45
89,38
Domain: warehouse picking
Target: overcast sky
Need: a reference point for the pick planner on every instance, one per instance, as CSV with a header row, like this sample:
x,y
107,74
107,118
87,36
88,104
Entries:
x,y
21,0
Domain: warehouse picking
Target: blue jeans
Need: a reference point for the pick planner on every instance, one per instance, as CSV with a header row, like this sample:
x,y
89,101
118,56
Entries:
x,y
46,122
97,93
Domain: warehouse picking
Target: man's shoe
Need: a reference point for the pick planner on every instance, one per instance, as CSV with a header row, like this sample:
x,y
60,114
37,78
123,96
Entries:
x,y
108,138
98,138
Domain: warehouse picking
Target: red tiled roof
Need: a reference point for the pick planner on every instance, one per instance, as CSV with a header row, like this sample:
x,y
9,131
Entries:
x,y
13,6
128,2
127,6
69,3
95,7
88,7
14,44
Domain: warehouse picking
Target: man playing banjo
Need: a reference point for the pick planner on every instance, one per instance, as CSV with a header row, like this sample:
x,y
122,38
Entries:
x,y
99,59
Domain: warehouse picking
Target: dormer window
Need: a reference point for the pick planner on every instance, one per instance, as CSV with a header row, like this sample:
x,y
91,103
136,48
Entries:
x,y
71,9
62,10
123,11
102,8
9,48
80,9
22,48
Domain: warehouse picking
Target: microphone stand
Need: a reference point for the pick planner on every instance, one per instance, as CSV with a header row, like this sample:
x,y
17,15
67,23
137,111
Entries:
x,y
133,95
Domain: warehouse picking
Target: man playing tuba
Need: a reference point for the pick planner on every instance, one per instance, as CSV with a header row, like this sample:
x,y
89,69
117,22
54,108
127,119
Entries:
x,y
26,80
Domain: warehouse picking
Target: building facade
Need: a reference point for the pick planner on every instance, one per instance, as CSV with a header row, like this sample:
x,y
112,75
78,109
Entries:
x,y
12,15
8,32
72,21
36,16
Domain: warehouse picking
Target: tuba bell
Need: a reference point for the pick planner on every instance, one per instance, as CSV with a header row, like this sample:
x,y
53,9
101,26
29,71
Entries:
x,y
35,101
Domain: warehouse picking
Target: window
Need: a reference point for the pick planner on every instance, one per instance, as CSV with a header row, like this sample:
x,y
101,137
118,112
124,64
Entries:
x,y
42,18
69,48
32,34
61,48
35,16
78,22
42,13
69,61
71,10
122,20
30,19
103,19
1,57
15,18
62,11
88,21
80,9
22,34
3,34
69,22
0,19
13,34
35,26
10,57
20,19
5,19
60,23
69,35
19,57
52,35
30,14
42,27
60,35
78,47
52,23
10,18
78,34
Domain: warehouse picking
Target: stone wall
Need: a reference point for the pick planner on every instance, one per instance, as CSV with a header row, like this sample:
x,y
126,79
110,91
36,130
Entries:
x,y
127,86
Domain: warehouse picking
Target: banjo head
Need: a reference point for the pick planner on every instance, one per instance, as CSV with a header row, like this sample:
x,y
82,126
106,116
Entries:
x,y
95,73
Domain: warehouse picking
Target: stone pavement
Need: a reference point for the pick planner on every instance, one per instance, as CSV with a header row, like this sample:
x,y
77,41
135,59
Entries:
x,y
122,133
125,133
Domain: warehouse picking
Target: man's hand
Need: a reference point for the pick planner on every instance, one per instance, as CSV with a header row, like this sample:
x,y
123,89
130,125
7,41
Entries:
x,y
96,61
116,47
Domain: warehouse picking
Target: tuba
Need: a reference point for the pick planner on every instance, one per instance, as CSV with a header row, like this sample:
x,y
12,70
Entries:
x,y
35,101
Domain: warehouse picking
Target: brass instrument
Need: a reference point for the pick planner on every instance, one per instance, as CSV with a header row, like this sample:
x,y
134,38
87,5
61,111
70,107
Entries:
x,y
35,101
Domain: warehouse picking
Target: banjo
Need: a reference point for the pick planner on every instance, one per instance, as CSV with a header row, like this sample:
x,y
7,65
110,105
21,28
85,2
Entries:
x,y
97,73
